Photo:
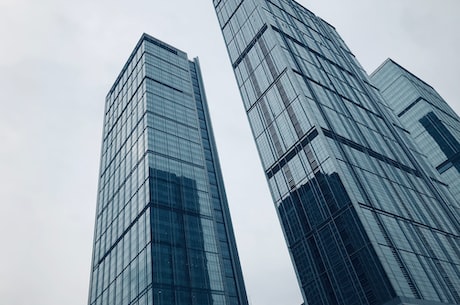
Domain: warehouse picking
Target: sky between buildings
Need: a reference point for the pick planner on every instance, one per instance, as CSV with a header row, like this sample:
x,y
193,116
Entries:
x,y
58,59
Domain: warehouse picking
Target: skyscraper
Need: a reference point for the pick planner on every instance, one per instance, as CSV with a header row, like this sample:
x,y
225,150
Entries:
x,y
163,231
365,219
433,125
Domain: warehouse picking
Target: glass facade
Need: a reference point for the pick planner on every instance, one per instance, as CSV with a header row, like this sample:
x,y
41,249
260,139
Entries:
x,y
163,231
433,125
365,217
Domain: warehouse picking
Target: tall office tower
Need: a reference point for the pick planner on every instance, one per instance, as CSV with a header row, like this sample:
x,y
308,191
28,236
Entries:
x,y
163,231
364,217
433,125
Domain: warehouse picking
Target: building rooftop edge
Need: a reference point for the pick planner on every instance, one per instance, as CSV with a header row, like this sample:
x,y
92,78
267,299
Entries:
x,y
315,14
391,61
144,37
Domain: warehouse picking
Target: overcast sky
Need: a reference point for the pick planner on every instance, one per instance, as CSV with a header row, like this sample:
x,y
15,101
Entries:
x,y
58,59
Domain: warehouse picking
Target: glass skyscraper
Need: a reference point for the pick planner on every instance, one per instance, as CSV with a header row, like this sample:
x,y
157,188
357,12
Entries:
x,y
364,216
163,232
432,123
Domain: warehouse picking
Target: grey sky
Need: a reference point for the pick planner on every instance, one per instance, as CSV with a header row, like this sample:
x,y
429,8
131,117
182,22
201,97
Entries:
x,y
58,59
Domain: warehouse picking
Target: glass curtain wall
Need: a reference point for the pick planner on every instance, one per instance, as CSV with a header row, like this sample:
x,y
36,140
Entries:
x,y
365,218
432,123
163,231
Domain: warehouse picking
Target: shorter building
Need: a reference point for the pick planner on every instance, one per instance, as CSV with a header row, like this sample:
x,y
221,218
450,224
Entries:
x,y
432,123
163,230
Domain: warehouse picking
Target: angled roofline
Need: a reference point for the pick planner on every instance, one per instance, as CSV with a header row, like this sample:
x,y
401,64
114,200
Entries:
x,y
391,61
315,14
144,37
